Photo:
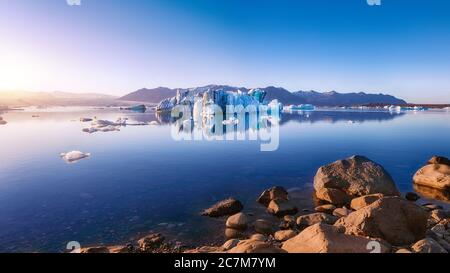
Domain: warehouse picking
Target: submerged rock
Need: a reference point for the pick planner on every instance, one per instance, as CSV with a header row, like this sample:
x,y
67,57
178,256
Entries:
x,y
74,156
225,207
393,219
323,238
353,177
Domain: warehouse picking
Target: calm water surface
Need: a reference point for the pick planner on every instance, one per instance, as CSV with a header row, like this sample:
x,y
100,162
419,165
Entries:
x,y
140,180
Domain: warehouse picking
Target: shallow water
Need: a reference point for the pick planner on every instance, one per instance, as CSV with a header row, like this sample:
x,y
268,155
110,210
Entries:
x,y
140,179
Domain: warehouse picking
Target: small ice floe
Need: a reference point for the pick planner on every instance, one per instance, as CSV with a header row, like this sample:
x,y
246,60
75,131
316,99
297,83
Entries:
x,y
231,121
2,121
90,130
85,119
140,123
351,122
153,123
74,156
109,128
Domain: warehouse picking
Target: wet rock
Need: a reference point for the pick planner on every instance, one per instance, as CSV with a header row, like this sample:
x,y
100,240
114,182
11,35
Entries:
x,y
328,208
253,246
273,193
225,207
150,242
412,196
365,200
288,222
280,207
342,212
323,238
283,235
237,221
355,176
314,218
393,219
264,227
232,233
428,245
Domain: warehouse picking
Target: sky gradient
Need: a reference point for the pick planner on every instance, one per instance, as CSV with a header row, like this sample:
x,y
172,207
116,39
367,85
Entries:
x,y
117,46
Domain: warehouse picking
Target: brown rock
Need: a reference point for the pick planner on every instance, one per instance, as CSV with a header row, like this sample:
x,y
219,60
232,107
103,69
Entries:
x,y
412,196
393,219
314,218
237,221
95,249
432,193
253,246
228,206
230,244
258,237
150,242
365,200
120,249
403,251
439,160
283,235
342,212
355,176
428,245
280,207
435,176
264,227
205,249
333,196
323,238
273,193
232,233
328,208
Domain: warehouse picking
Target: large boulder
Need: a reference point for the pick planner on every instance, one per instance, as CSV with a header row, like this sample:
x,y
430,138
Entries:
x,y
150,242
255,246
353,177
314,218
263,226
333,196
435,175
393,219
225,207
323,238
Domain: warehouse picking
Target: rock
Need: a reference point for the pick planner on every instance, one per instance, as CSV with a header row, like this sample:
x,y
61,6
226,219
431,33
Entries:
x,y
439,160
283,235
120,249
232,233
412,196
225,207
253,246
428,245
333,196
237,221
273,193
365,200
150,242
95,249
205,249
444,244
439,229
258,237
432,193
431,207
439,215
403,250
323,238
280,207
355,176
328,208
342,212
314,218
434,175
288,222
393,219
230,244
264,227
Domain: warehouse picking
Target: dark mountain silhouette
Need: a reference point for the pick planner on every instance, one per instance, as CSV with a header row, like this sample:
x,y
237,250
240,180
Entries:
x,y
334,98
154,95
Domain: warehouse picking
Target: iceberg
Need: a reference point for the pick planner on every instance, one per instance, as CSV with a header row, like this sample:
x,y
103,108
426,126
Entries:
x,y
74,156
85,119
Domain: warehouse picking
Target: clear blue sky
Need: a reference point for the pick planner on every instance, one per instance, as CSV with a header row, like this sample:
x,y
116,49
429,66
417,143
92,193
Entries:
x,y
116,46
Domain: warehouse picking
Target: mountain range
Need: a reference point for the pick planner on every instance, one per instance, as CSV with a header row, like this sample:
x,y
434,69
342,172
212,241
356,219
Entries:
x,y
332,98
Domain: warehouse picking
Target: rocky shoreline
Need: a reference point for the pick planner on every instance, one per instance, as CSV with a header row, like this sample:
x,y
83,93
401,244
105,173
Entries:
x,y
358,210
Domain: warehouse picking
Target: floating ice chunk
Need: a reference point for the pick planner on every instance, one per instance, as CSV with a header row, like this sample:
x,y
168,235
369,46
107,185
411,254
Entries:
x,y
90,130
85,119
2,121
74,156
109,128
153,123
140,123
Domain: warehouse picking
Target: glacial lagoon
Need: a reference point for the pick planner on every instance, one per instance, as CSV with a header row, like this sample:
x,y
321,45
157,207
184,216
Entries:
x,y
139,179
